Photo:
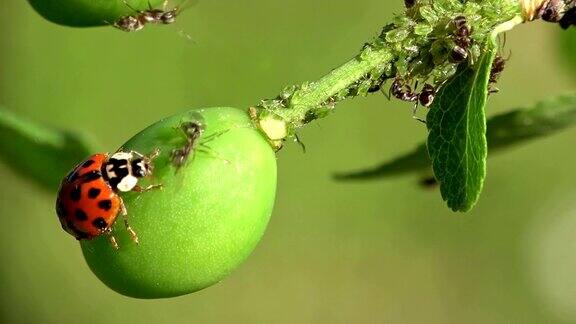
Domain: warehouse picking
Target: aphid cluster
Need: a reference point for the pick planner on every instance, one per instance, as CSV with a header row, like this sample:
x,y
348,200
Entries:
x,y
140,18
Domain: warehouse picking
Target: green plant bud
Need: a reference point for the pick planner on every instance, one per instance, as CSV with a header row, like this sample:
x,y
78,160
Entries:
x,y
86,13
207,218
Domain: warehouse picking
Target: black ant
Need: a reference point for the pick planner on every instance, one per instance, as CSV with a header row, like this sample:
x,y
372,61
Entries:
x,y
461,38
193,130
498,66
569,18
427,95
136,22
400,90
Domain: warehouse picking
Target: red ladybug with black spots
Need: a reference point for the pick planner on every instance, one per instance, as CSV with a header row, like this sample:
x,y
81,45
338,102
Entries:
x,y
88,200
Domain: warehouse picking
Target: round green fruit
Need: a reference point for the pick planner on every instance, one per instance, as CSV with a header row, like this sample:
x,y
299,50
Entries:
x,y
207,218
86,13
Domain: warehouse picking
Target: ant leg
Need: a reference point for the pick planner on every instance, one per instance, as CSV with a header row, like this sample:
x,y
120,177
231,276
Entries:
x,y
419,119
213,136
389,95
211,153
297,139
124,213
154,154
138,188
415,109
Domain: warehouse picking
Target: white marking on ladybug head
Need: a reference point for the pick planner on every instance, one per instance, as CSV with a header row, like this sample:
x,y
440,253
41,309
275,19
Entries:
x,y
109,173
127,183
122,156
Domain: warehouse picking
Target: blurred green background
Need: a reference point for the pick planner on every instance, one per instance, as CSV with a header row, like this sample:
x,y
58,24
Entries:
x,y
369,252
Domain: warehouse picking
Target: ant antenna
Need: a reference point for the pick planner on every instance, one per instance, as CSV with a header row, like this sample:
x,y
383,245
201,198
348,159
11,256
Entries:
x,y
132,8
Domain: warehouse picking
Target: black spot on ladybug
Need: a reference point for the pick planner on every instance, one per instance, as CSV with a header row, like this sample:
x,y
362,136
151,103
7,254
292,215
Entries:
x,y
91,176
87,163
93,193
105,204
76,193
60,210
99,223
81,215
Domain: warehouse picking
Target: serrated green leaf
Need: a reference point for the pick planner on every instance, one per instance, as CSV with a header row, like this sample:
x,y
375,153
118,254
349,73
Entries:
x,y
567,44
506,130
39,153
457,133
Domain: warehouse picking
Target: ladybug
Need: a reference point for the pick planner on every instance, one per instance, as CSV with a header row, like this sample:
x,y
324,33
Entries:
x,y
88,200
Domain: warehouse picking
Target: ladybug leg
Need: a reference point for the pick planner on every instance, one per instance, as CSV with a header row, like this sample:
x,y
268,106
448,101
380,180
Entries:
x,y
124,213
154,154
113,242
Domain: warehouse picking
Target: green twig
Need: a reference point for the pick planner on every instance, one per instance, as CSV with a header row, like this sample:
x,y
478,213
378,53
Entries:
x,y
415,48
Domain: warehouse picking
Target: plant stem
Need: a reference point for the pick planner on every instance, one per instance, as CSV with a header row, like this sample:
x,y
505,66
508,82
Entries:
x,y
417,48
336,81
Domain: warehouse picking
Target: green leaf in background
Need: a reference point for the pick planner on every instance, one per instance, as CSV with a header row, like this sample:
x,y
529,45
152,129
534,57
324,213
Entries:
x,y
567,43
504,131
457,133
39,153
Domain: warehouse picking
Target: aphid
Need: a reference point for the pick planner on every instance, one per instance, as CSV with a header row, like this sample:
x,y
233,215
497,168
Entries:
x,y
137,21
498,66
88,201
377,84
402,91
